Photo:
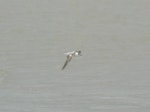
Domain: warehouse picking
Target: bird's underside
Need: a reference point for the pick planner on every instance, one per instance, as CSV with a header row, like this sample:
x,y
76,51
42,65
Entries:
x,y
69,57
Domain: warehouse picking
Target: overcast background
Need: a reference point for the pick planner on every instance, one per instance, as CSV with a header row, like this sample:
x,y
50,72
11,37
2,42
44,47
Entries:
x,y
113,75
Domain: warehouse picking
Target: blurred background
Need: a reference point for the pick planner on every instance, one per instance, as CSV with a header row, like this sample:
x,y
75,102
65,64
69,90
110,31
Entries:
x,y
112,75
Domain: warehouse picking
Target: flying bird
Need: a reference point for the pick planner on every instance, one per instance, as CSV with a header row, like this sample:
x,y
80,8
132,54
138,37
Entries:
x,y
69,56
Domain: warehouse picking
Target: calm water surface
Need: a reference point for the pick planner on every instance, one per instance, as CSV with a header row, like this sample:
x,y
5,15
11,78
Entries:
x,y
113,75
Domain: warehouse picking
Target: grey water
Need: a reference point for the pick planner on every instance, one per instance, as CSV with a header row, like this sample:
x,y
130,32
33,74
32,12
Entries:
x,y
112,75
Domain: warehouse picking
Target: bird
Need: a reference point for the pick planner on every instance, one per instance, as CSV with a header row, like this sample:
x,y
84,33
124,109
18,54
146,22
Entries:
x,y
69,56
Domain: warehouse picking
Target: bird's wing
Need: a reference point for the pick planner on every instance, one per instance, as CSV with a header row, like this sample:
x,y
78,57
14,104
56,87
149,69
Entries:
x,y
67,61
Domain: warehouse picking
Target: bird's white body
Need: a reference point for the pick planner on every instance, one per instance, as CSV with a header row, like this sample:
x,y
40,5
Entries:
x,y
69,57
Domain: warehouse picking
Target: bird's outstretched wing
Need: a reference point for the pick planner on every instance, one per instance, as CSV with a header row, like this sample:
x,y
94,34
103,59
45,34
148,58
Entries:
x,y
67,61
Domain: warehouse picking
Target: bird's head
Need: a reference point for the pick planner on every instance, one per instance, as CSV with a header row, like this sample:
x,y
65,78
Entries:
x,y
79,52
